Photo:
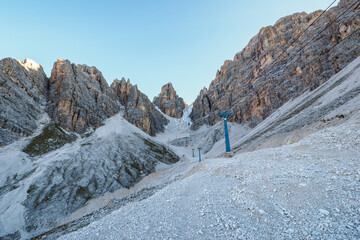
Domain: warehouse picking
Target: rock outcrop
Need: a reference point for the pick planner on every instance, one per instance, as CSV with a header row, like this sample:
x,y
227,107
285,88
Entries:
x,y
270,70
169,102
79,97
138,108
23,91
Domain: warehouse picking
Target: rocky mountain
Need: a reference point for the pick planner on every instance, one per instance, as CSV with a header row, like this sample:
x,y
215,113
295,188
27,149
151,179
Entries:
x,y
23,91
79,97
303,177
169,102
138,108
50,175
49,171
76,97
278,65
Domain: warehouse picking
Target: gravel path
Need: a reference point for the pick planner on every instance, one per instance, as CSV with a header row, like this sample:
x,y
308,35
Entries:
x,y
307,190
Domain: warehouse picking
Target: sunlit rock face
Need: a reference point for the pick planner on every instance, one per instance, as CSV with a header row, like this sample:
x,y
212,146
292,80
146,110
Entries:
x,y
263,76
138,108
23,91
169,102
79,97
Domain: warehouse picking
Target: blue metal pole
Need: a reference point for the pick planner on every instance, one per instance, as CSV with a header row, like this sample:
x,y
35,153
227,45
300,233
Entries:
x,y
227,141
199,155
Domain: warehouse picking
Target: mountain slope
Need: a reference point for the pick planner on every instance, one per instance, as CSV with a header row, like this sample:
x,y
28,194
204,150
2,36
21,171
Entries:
x,y
331,103
50,187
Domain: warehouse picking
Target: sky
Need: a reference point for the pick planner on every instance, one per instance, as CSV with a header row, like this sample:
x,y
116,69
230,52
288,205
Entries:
x,y
150,42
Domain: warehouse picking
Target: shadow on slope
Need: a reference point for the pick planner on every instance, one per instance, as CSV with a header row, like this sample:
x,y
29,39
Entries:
x,y
117,155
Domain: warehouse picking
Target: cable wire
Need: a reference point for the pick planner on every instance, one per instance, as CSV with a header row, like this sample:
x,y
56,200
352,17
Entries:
x,y
302,33
309,42
356,1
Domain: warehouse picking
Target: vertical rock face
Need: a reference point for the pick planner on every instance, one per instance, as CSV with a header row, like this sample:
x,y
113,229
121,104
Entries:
x,y
169,102
267,73
79,96
23,91
28,75
75,97
138,109
201,109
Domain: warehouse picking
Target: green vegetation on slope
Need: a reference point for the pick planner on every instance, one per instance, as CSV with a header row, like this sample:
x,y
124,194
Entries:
x,y
52,138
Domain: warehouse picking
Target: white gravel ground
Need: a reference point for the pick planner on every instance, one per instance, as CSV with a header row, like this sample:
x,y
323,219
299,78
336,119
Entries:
x,y
307,190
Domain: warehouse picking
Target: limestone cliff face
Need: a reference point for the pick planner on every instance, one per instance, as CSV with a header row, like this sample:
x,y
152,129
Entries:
x,y
138,108
79,96
263,76
23,91
75,97
169,102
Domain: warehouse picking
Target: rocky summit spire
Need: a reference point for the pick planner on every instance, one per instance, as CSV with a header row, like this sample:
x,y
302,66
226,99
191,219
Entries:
x,y
138,108
23,91
79,96
169,102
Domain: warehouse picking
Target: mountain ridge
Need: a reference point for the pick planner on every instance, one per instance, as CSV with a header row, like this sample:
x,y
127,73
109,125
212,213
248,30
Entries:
x,y
76,96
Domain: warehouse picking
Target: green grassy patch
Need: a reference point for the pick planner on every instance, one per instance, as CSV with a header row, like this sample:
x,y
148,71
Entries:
x,y
52,138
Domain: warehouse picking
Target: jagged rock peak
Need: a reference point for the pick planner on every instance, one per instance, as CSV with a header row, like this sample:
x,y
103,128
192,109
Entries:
x,y
169,102
168,92
28,75
138,108
30,64
23,91
93,72
122,89
263,76
346,3
79,96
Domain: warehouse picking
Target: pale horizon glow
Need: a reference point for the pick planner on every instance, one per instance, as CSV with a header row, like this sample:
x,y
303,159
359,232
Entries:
x,y
149,42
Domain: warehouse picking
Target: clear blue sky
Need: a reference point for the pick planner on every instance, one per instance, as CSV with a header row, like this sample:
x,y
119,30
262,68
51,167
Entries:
x,y
150,42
